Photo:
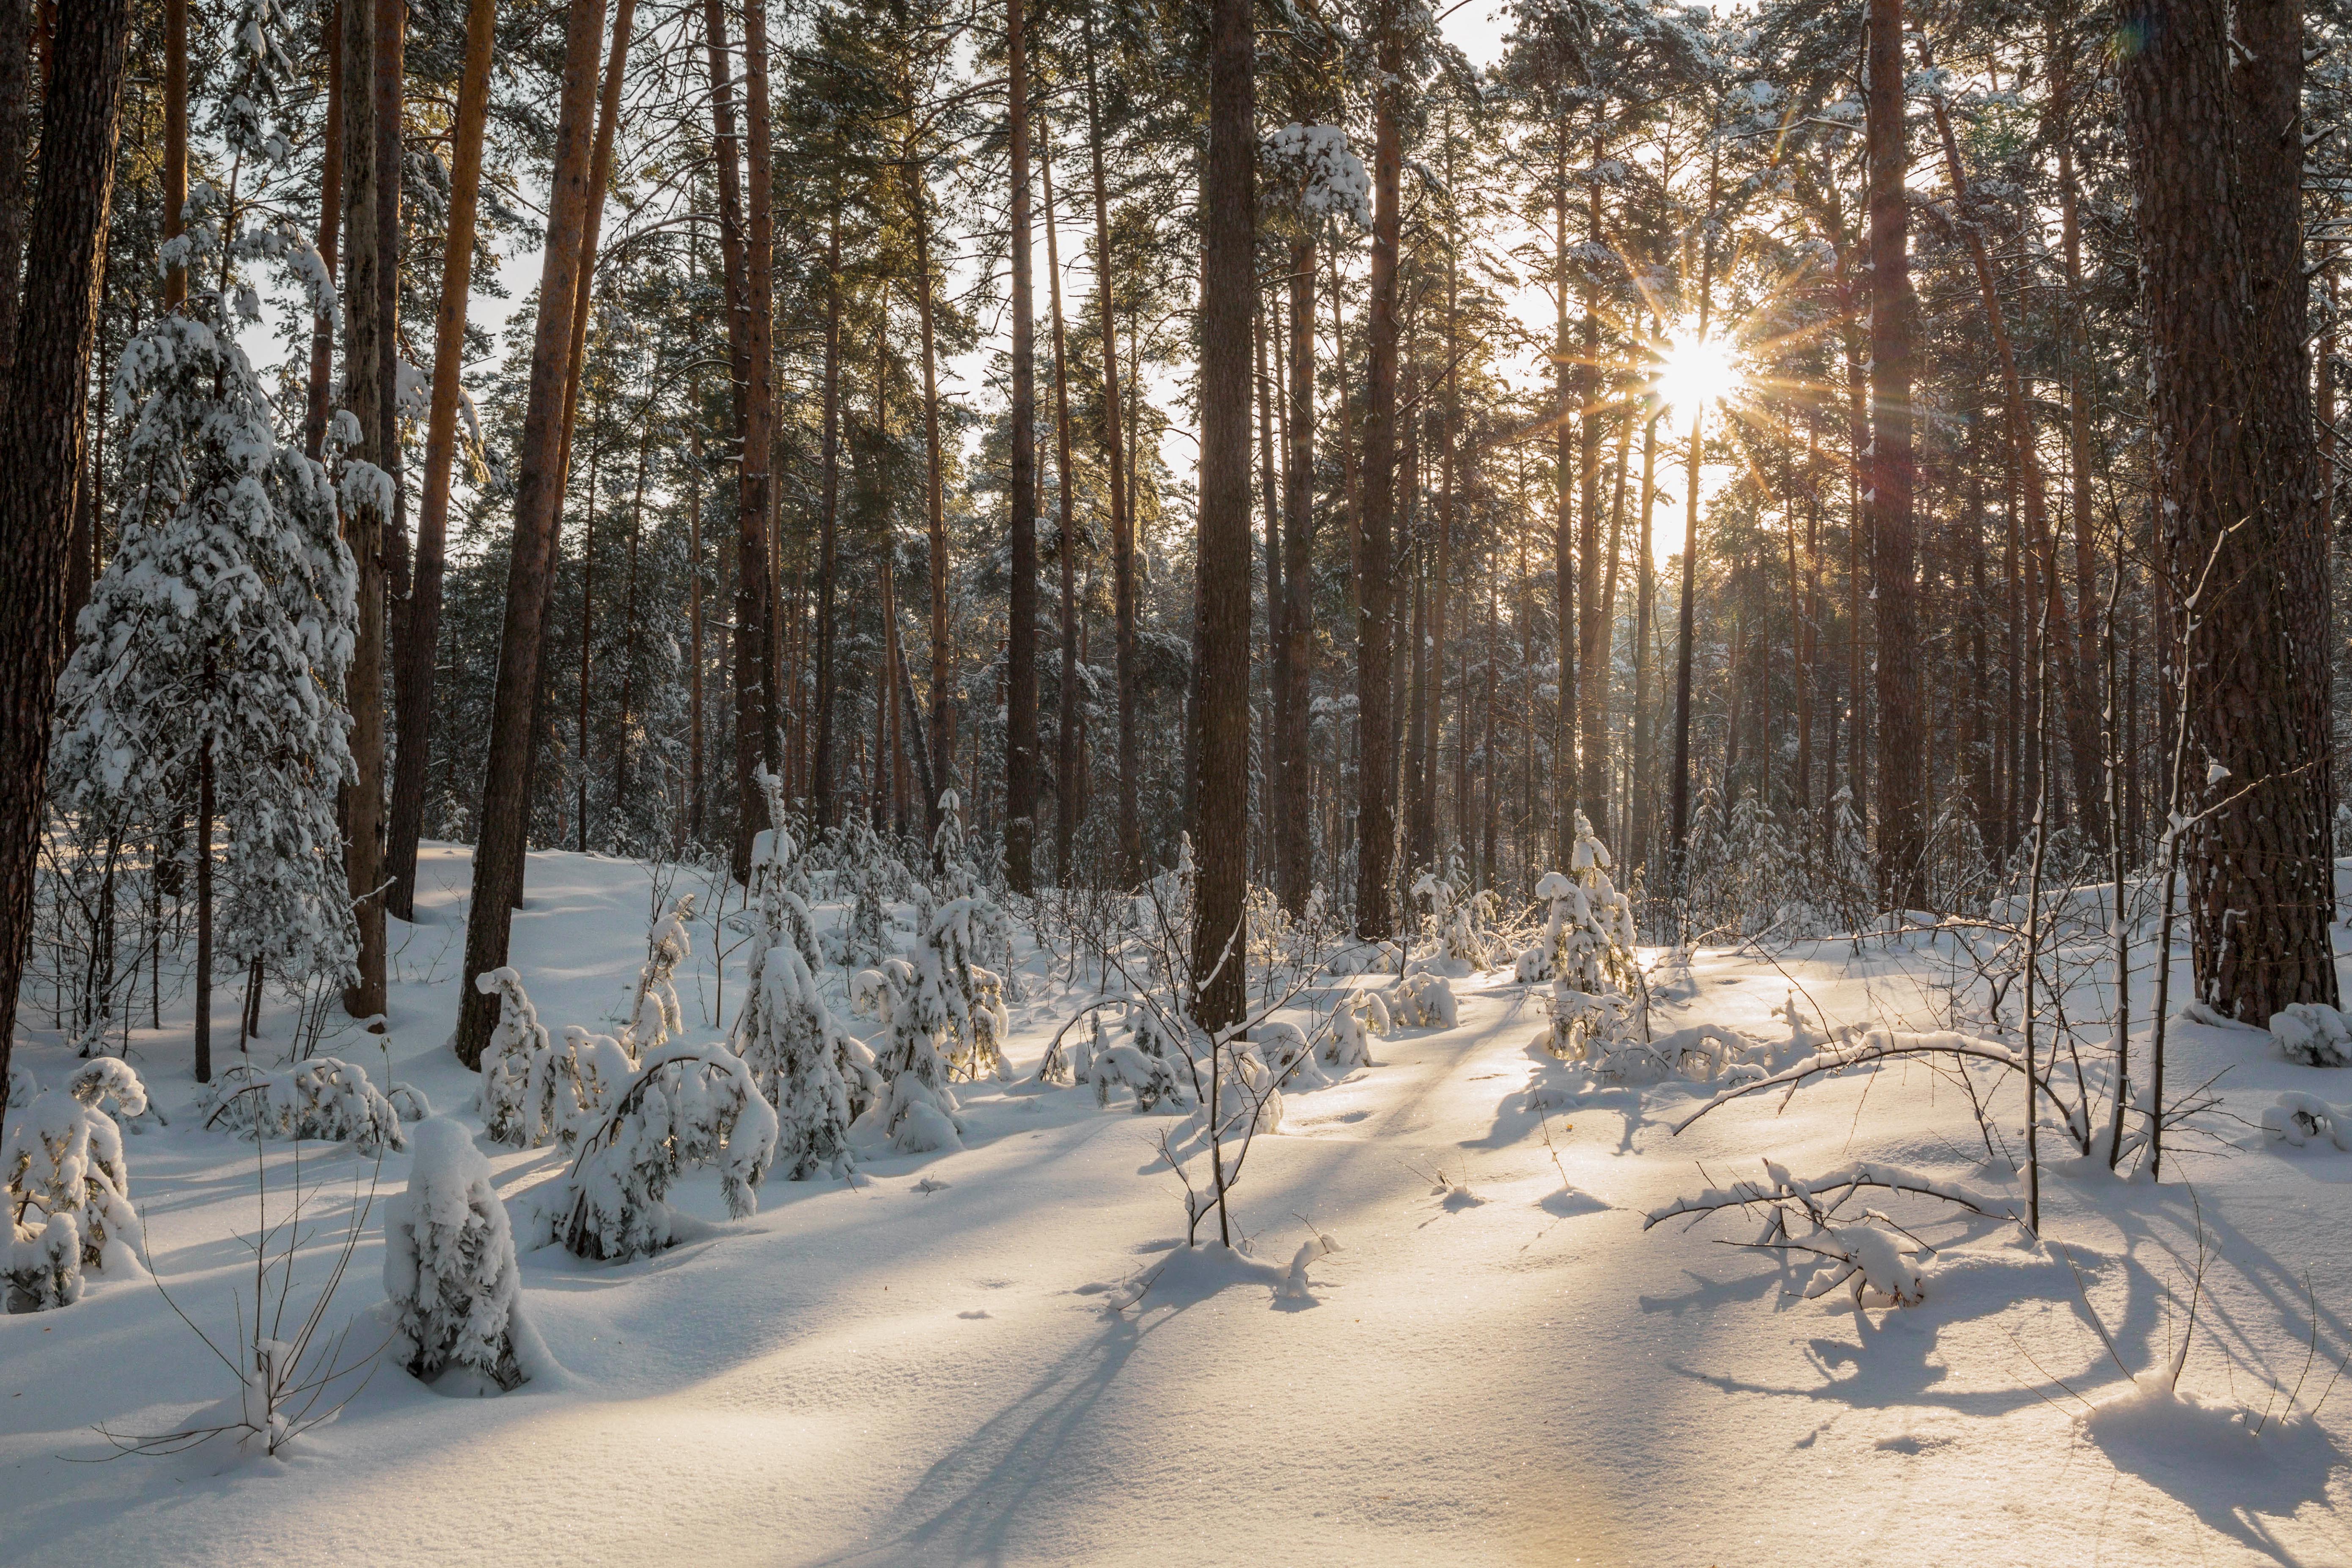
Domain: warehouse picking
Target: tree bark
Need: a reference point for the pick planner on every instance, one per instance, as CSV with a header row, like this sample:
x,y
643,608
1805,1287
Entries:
x,y
1021,646
1122,508
1065,545
320,389
1893,474
2212,110
414,686
821,765
175,144
1228,291
15,123
1376,771
364,352
498,854
1295,833
42,424
934,481
756,544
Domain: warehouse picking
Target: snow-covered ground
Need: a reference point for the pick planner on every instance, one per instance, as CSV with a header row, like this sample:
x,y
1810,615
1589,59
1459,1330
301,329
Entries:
x,y
1498,1364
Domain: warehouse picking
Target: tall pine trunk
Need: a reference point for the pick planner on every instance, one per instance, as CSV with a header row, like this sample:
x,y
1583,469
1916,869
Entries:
x,y
821,765
499,852
1228,290
42,425
1122,508
414,686
1066,544
756,544
1294,824
1893,474
365,523
1021,642
1376,771
2211,108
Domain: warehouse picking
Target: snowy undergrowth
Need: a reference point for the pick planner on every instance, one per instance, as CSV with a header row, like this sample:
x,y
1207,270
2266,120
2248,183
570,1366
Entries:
x,y
914,1369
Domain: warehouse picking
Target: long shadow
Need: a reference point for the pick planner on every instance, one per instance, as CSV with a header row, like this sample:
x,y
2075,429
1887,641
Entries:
x,y
987,1482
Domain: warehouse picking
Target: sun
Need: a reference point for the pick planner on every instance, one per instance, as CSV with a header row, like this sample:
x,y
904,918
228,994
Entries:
x,y
1695,372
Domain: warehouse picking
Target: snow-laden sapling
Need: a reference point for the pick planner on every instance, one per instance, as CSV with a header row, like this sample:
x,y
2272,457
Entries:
x,y
797,1051
654,1015
1454,926
326,1099
68,1188
535,1091
690,1106
1360,1015
992,928
209,664
918,1111
870,874
449,1264
1596,1005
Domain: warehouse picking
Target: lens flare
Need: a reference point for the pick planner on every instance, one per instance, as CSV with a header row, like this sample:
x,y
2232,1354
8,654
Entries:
x,y
1695,372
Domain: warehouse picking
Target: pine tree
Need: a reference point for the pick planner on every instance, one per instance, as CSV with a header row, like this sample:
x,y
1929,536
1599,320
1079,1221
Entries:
x,y
798,1053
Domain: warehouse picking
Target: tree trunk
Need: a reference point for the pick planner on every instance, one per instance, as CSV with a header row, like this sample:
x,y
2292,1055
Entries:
x,y
414,686
1066,546
1375,776
756,544
364,351
1122,510
1591,620
204,976
498,854
388,85
1295,833
175,146
1678,884
1021,646
321,388
1645,808
42,423
821,765
1893,472
1228,290
2211,112
15,123
934,484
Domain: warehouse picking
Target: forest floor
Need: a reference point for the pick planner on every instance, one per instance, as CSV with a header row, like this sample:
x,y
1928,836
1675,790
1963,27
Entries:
x,y
1497,1366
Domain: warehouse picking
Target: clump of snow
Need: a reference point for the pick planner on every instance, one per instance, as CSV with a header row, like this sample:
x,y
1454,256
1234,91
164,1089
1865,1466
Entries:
x,y
2314,1034
449,1263
325,1098
2299,1119
1360,1016
1426,1002
63,1165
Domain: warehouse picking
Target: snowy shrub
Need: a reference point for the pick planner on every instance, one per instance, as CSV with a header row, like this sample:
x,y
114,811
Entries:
x,y
991,927
917,1112
1359,1017
2314,1034
1586,951
535,1091
68,1188
449,1263
868,875
510,1061
1454,926
1425,1002
1284,1049
980,1048
796,1050
326,1099
690,1106
654,1016
2299,1119
1366,958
